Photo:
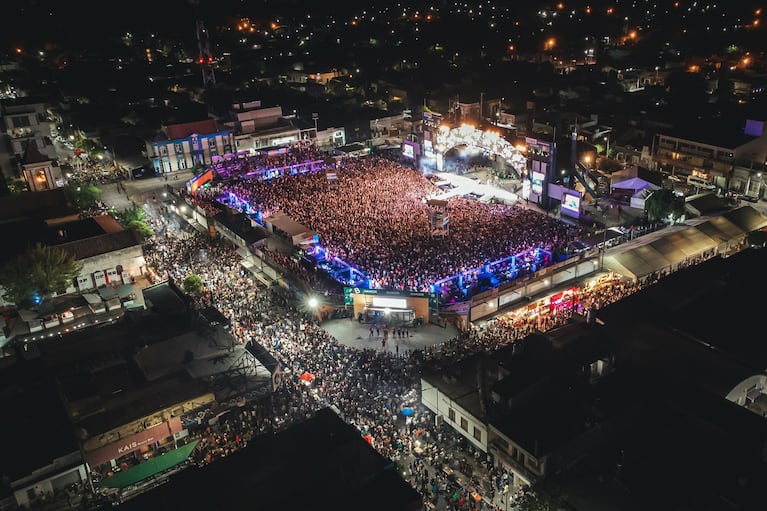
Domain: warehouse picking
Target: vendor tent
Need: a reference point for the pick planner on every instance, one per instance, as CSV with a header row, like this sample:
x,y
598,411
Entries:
x,y
662,253
634,183
641,188
666,249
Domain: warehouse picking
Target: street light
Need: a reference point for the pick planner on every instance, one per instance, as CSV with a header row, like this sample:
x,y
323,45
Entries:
x,y
312,302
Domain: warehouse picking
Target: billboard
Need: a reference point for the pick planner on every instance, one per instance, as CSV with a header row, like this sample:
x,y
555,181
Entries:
x,y
410,149
537,180
571,204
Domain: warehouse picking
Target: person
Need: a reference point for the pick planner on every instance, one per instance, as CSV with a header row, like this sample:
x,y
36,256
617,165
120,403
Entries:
x,y
371,331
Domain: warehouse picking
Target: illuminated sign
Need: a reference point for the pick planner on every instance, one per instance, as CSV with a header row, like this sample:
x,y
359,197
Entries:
x,y
408,151
537,182
390,303
571,204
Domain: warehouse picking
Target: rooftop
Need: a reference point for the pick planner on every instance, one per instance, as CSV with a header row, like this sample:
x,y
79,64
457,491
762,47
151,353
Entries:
x,y
39,430
726,135
81,238
320,464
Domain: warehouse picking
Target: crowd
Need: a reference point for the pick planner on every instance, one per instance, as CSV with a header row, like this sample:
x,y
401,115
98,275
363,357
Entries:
x,y
368,387
259,165
375,217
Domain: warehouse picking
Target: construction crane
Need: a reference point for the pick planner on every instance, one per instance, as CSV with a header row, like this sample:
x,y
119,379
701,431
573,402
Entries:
x,y
205,59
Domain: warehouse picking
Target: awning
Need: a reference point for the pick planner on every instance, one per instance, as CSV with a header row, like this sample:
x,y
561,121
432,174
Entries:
x,y
27,315
149,468
125,290
92,299
107,292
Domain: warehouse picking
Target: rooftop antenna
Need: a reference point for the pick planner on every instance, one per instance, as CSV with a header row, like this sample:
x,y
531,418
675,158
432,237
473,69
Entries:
x,y
205,59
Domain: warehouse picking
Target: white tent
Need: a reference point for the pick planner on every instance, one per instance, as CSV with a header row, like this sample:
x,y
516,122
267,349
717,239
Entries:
x,y
642,189
639,198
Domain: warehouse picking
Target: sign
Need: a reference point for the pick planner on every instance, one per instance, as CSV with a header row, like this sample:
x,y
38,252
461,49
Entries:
x,y
348,298
134,442
571,204
390,303
537,180
431,120
389,292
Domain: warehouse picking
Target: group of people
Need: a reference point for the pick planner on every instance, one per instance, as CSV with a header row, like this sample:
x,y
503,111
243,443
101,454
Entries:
x,y
368,387
256,165
374,216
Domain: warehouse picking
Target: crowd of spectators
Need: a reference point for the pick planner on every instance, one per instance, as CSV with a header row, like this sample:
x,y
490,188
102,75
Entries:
x,y
375,217
368,387
259,165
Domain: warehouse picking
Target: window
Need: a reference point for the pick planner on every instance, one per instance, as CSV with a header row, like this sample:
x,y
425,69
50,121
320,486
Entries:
x,y
464,424
477,434
451,414
179,148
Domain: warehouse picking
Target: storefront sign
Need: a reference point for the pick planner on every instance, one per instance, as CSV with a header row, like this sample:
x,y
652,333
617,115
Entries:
x,y
133,442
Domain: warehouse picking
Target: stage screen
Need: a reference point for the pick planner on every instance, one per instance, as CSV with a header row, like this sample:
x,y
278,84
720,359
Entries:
x,y
410,149
571,204
537,181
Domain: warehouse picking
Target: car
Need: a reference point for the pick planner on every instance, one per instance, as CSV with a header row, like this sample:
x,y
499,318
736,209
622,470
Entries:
x,y
750,198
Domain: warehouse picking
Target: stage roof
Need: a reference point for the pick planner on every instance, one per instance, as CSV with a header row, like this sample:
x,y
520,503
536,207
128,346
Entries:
x,y
286,224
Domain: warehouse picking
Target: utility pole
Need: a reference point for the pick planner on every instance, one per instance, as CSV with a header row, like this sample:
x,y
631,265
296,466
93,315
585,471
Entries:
x,y
481,113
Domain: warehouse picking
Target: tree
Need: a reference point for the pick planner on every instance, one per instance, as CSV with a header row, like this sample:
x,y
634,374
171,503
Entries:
x,y
37,273
141,228
128,215
87,145
663,204
82,196
192,284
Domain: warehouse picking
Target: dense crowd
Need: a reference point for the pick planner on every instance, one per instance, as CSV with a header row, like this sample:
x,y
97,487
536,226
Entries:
x,y
260,164
369,388
375,217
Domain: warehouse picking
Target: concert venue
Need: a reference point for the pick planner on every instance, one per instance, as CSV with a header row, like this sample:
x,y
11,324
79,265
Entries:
x,y
374,224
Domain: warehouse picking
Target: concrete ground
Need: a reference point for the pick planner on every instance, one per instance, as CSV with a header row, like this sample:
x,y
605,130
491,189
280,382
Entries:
x,y
357,335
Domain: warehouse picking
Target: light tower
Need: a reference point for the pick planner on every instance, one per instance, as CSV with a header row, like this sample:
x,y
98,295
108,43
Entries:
x,y
205,59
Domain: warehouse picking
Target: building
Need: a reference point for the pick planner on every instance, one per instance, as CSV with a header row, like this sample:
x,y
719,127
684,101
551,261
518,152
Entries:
x,y
112,258
39,171
26,125
613,413
189,145
132,388
728,157
322,463
521,404
42,457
